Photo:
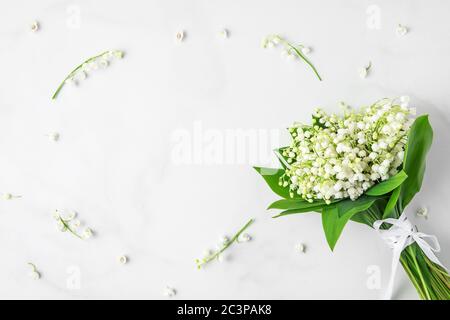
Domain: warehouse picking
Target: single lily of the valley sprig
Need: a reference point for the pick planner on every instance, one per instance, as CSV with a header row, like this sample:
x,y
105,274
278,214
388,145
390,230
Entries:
x,y
80,72
225,244
289,49
69,223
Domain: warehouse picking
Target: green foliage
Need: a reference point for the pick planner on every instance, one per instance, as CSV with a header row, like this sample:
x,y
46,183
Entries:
x,y
387,198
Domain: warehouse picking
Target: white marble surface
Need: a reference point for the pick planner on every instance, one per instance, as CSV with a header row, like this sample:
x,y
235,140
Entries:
x,y
114,164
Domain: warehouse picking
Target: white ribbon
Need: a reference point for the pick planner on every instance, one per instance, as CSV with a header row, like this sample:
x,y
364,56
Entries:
x,y
398,237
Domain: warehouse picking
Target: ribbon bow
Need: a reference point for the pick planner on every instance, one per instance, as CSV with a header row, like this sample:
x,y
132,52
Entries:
x,y
402,234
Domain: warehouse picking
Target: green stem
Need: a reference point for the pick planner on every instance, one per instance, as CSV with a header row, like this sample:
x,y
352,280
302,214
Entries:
x,y
299,54
412,277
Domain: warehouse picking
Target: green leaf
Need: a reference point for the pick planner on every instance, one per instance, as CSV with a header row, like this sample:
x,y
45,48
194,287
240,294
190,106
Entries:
x,y
300,210
390,206
336,216
387,185
420,138
272,178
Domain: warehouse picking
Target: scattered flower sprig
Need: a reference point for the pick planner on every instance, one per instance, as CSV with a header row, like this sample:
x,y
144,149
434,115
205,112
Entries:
x,y
34,273
343,156
169,291
422,212
69,223
225,244
93,63
34,27
290,50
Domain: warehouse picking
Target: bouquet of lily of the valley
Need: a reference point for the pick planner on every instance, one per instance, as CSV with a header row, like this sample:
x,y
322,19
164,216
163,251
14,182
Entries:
x,y
366,166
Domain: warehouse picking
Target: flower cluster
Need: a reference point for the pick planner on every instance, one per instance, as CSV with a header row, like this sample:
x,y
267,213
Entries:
x,y
80,72
342,156
68,222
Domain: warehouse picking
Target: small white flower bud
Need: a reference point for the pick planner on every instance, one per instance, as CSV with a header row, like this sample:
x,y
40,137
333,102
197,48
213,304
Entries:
x,y
422,212
118,54
123,259
179,36
53,136
224,240
80,75
362,73
70,216
301,247
34,274
34,26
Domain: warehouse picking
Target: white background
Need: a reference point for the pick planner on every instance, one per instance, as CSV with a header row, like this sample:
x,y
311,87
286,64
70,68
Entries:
x,y
113,163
